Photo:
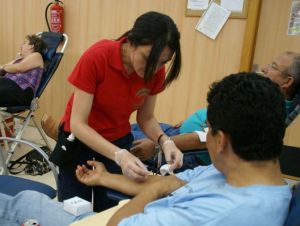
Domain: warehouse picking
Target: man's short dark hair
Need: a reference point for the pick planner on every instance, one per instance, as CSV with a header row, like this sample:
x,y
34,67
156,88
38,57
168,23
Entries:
x,y
250,109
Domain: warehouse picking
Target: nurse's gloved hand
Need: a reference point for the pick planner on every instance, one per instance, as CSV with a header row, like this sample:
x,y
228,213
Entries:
x,y
131,166
173,155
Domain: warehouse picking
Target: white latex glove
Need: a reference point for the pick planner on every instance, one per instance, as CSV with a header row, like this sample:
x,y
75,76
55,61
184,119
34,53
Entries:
x,y
173,155
131,166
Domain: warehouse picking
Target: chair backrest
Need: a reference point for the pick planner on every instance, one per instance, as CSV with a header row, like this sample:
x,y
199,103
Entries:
x,y
293,218
48,73
292,115
52,57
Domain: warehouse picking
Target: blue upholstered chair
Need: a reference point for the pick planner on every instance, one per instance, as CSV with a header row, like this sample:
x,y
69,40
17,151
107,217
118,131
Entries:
x,y
12,185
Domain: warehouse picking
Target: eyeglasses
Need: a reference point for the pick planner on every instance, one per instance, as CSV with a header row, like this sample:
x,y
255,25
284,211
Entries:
x,y
274,67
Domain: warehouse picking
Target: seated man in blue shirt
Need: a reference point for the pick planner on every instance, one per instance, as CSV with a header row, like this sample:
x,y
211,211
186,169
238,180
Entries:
x,y
243,186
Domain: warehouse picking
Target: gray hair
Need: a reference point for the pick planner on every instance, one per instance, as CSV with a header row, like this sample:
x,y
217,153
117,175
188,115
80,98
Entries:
x,y
294,70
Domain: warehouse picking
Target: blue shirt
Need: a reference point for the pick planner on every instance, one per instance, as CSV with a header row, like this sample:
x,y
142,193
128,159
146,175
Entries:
x,y
289,106
208,200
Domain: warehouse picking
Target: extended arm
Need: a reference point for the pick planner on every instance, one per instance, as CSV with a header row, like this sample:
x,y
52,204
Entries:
x,y
153,191
144,148
153,188
188,141
99,176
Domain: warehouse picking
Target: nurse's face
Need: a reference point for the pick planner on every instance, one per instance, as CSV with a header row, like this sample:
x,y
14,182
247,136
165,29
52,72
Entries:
x,y
139,57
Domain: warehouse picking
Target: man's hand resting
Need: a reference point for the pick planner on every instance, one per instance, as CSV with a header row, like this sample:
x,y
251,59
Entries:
x,y
91,177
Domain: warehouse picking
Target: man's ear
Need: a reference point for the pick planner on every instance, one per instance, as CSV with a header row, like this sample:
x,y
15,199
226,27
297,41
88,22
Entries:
x,y
289,82
222,141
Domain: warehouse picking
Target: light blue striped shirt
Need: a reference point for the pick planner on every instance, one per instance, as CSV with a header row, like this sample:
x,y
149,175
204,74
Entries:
x,y
208,200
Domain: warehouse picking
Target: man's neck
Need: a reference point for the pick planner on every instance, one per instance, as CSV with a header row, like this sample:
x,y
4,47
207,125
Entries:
x,y
245,173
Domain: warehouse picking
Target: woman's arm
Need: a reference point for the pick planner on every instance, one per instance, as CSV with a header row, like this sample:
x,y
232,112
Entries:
x,y
150,126
31,61
82,105
147,121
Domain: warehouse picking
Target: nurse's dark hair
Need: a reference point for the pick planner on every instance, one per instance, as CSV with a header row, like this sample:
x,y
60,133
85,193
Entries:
x,y
160,31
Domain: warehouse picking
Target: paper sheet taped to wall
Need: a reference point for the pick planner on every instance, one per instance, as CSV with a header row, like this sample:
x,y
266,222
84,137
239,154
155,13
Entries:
x,y
197,4
233,5
213,20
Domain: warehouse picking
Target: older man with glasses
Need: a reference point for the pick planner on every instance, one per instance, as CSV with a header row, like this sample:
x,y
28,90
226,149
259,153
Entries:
x,y
285,71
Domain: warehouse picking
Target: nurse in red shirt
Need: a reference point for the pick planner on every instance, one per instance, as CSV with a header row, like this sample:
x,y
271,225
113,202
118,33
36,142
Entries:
x,y
112,79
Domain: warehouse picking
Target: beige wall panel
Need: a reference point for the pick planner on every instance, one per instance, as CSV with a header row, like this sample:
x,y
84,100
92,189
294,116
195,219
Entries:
x,y
87,21
272,39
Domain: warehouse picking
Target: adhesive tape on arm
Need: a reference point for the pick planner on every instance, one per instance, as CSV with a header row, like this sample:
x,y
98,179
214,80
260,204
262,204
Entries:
x,y
165,170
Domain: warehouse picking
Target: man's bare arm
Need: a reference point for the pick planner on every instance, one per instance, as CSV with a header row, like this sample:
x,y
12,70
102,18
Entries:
x,y
153,191
144,148
99,176
188,141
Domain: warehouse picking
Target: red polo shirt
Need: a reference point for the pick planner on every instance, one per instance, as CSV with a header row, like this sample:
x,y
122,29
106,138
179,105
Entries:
x,y
100,72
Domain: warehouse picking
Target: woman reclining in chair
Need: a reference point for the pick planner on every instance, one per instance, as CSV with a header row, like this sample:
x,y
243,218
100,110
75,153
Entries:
x,y
22,76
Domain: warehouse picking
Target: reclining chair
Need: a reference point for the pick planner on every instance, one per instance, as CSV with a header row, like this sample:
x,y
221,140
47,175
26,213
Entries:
x,y
12,185
52,58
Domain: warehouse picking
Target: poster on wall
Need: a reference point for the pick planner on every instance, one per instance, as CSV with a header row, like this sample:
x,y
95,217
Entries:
x,y
294,22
